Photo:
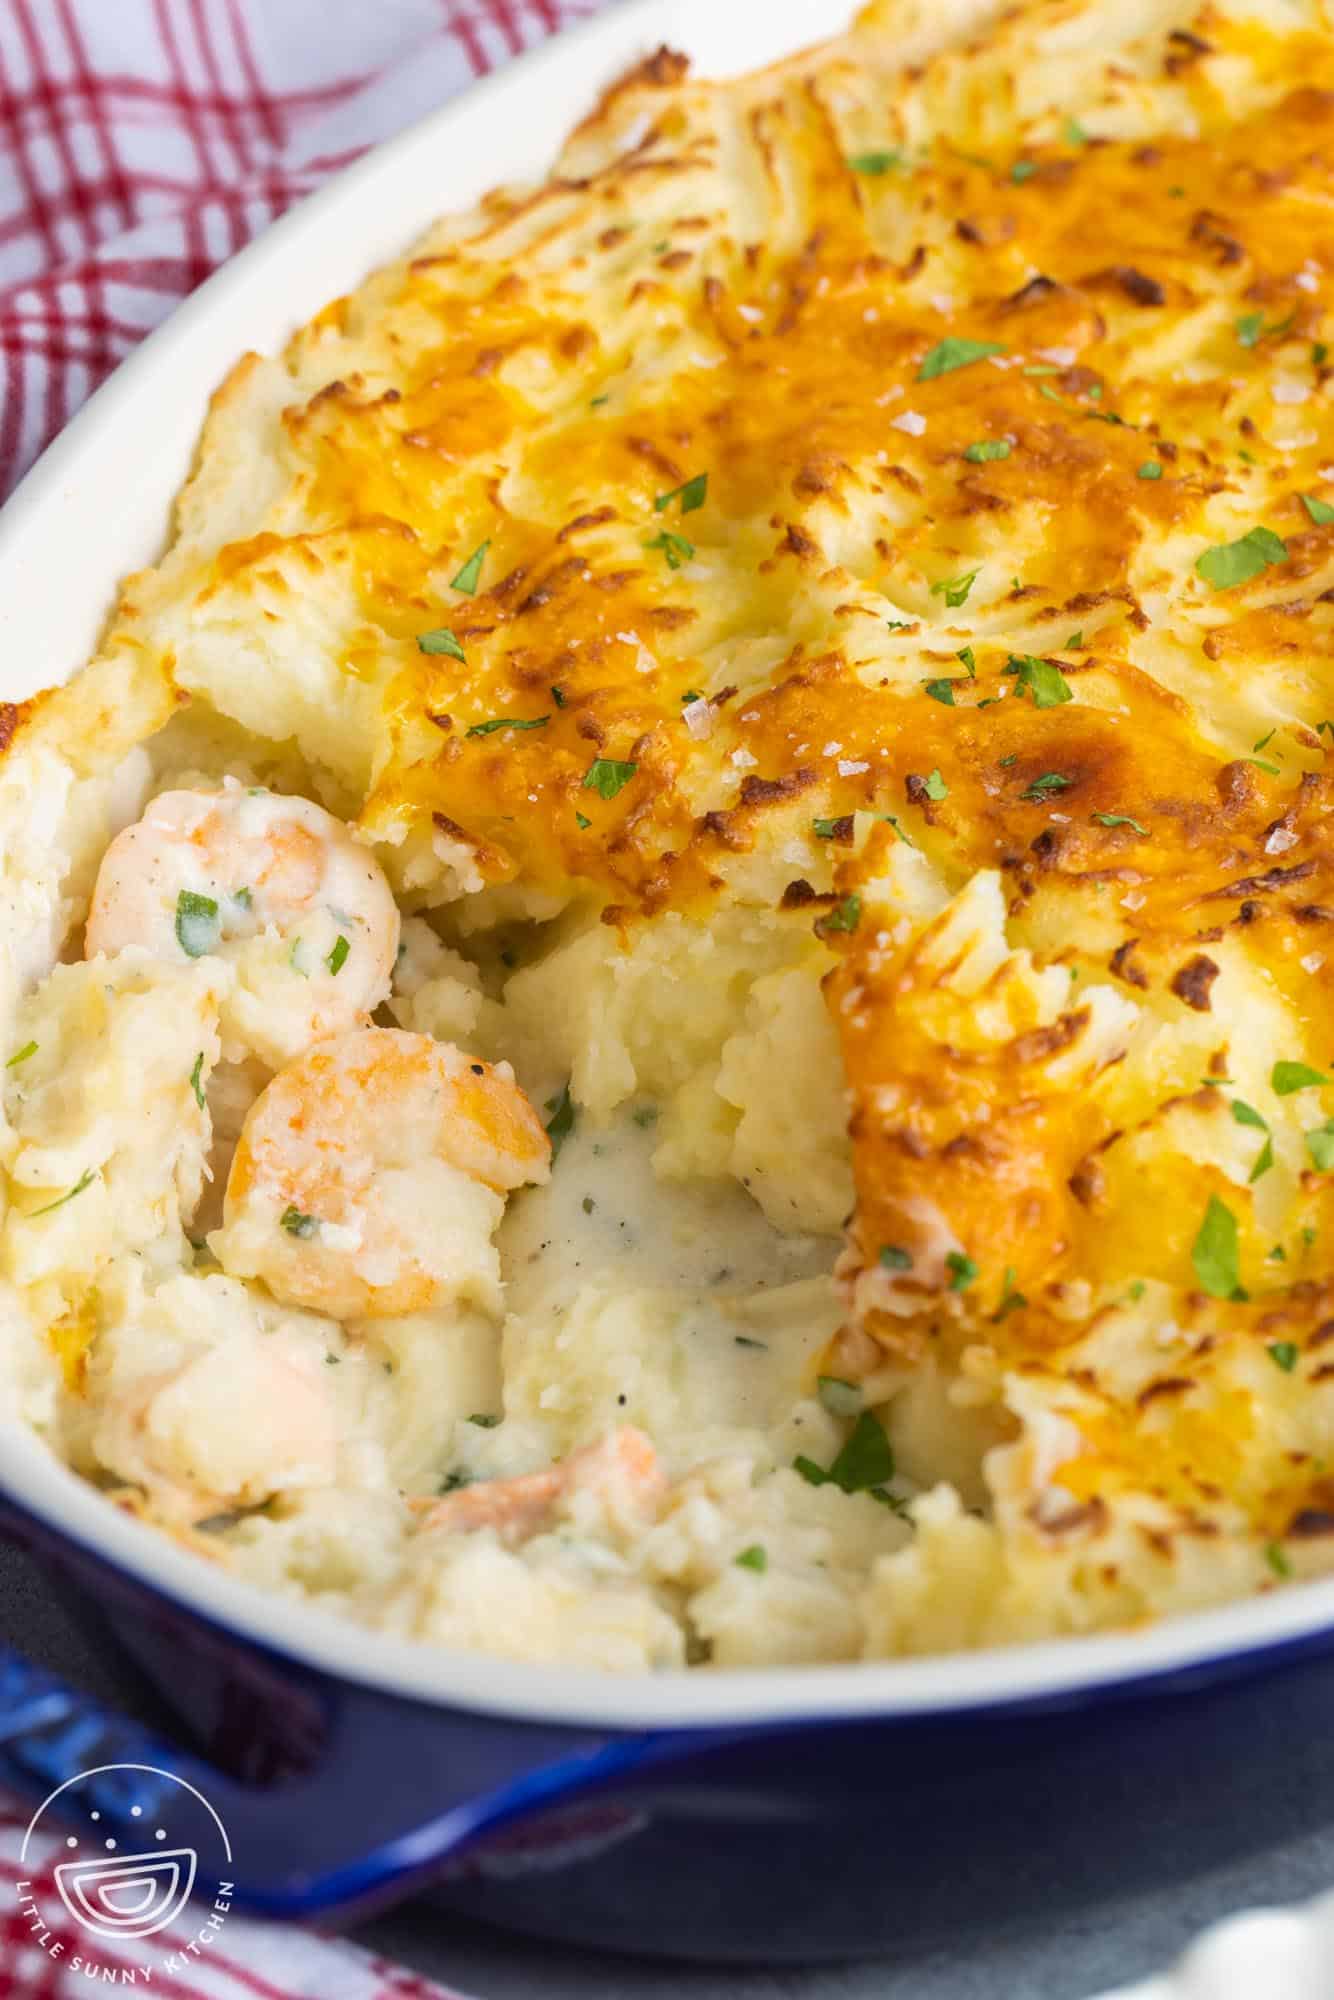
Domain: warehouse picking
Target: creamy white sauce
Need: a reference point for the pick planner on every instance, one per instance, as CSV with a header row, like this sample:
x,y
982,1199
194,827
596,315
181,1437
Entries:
x,y
605,1212
725,1319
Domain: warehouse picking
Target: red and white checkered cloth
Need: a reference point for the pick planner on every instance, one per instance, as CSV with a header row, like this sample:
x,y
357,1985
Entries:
x,y
40,1943
141,143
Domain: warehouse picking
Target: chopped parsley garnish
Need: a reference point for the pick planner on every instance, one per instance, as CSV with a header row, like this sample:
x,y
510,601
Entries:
x,y
1075,643
243,897
962,1270
1264,1160
1266,739
297,1224
197,926
1120,819
195,1085
1262,764
965,654
582,820
484,1420
1042,788
1150,470
606,776
692,495
558,695
1228,563
1320,1145
1010,1299
1277,1559
941,691
1284,1354
470,575
561,1123
840,1398
907,839
954,352
338,957
894,1259
755,1557
645,1115
507,722
936,788
987,449
1246,1114
1074,133
21,1055
744,1340
865,1461
596,402
1215,1254
1320,511
897,624
826,829
1023,170
876,163
1319,353
844,916
1286,1077
1048,684
1249,328
84,1180
955,589
675,547
441,640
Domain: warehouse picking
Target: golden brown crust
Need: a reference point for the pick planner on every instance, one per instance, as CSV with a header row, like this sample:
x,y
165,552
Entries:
x,y
1005,350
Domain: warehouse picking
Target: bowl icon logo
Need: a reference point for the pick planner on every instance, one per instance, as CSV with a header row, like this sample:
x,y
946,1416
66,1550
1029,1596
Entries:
x,y
108,1866
130,1895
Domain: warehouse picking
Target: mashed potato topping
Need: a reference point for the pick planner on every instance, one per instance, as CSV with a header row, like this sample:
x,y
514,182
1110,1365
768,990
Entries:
x,y
666,995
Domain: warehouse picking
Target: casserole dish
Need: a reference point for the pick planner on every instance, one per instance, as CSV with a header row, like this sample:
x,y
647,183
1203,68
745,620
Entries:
x,y
744,1815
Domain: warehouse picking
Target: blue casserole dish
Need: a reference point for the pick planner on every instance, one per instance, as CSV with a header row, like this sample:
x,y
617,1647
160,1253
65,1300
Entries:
x,y
784,1814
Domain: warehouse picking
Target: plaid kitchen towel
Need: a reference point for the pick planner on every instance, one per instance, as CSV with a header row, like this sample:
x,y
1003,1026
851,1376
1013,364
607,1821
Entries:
x,y
142,142
48,1953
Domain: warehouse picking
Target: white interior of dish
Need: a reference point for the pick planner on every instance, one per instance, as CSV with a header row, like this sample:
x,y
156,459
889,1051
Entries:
x,y
97,507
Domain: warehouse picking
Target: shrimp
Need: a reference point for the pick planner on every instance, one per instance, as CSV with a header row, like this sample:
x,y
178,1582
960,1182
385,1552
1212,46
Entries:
x,y
370,1175
206,1397
274,885
621,1466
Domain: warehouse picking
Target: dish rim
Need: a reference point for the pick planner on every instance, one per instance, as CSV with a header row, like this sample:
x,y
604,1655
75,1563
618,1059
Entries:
x,y
261,295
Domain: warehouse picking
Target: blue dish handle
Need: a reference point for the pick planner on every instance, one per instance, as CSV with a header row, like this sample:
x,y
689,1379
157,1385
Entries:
x,y
394,1789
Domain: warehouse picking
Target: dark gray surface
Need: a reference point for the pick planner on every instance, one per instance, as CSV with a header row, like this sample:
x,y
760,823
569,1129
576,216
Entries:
x,y
1060,1958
